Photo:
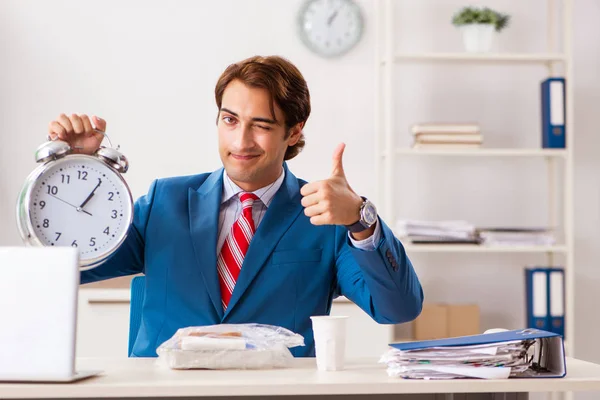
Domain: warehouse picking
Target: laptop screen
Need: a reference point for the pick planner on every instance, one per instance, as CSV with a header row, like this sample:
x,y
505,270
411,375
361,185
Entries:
x,y
38,312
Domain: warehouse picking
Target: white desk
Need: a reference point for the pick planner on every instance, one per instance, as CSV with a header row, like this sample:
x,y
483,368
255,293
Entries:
x,y
141,378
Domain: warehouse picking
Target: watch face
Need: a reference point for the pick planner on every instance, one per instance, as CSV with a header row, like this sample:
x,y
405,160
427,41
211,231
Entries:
x,y
370,213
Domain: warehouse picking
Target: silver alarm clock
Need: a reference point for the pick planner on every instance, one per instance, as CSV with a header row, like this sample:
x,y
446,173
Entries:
x,y
76,200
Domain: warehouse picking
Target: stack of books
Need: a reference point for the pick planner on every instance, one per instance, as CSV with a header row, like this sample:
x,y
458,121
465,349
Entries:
x,y
446,135
437,232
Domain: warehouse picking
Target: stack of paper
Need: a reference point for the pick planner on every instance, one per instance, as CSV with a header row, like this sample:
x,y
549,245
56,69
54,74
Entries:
x,y
436,231
517,236
448,135
487,361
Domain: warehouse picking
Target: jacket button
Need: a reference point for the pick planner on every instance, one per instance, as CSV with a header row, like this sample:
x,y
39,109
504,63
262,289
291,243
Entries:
x,y
388,253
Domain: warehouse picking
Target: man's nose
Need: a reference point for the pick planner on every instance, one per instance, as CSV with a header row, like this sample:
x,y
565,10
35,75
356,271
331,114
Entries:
x,y
244,138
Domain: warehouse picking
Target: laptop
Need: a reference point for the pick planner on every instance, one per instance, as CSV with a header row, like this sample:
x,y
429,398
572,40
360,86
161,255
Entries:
x,y
38,314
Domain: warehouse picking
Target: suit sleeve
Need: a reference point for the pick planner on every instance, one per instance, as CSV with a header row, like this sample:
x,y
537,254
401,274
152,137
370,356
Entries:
x,y
129,257
382,282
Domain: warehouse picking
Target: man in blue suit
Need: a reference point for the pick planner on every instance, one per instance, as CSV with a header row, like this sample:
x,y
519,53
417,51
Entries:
x,y
250,242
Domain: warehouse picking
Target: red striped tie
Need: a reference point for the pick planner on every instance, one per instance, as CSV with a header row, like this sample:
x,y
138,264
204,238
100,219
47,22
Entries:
x,y
229,262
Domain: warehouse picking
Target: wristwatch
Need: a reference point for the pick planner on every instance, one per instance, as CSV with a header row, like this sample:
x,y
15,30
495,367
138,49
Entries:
x,y
368,217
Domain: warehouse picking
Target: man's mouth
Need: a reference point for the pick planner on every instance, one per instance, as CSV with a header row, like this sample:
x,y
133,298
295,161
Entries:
x,y
243,157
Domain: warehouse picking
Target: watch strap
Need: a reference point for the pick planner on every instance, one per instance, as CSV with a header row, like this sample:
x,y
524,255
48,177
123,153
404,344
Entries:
x,y
359,225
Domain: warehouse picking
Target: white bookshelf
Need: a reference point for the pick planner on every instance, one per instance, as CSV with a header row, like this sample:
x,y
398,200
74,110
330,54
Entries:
x,y
473,248
388,150
482,152
485,58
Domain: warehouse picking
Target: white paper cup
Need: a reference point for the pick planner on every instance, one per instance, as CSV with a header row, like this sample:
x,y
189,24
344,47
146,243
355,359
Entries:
x,y
330,341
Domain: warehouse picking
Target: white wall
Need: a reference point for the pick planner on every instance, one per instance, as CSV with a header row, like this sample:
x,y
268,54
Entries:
x,y
149,68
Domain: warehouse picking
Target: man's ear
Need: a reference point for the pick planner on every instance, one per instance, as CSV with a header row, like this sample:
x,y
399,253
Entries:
x,y
295,133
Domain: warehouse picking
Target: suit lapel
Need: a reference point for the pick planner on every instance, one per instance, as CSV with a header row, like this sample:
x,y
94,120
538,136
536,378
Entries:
x,y
282,211
204,206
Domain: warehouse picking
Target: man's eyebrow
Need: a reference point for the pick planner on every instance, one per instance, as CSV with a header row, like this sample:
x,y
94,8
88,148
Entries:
x,y
265,120
229,111
255,119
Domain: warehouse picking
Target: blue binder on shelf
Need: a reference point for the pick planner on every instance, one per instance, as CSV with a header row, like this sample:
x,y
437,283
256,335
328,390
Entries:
x,y
553,113
549,350
537,294
545,294
556,289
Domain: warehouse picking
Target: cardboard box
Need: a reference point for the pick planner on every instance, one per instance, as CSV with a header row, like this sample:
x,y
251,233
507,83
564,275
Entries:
x,y
439,321
463,320
432,323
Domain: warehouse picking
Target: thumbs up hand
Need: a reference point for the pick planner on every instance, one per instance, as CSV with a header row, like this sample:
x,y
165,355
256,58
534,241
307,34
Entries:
x,y
332,201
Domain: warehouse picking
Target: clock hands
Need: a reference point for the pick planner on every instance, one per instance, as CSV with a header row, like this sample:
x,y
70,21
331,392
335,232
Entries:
x,y
90,195
332,16
72,205
80,208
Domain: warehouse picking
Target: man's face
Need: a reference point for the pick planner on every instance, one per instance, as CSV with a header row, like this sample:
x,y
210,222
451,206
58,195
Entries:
x,y
251,144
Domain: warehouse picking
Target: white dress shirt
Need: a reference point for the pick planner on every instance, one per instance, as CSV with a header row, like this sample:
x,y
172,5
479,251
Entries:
x,y
231,208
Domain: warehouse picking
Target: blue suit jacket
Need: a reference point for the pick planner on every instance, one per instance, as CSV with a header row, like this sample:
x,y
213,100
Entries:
x,y
292,269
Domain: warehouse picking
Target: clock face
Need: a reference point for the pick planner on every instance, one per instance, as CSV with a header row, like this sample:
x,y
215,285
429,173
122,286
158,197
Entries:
x,y
79,201
330,27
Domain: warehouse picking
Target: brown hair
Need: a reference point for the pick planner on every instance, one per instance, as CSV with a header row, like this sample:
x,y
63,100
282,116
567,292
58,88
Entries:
x,y
285,83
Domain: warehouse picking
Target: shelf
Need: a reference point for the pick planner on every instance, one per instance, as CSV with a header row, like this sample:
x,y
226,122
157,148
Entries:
x,y
472,248
394,65
540,58
483,152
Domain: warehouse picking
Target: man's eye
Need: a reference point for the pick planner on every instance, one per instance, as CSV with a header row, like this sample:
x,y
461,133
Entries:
x,y
228,120
266,128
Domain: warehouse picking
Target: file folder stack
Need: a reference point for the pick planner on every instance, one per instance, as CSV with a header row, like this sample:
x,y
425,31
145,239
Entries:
x,y
512,354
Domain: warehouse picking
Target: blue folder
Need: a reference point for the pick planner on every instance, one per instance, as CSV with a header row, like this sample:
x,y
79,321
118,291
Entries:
x,y
545,294
553,113
549,360
556,304
537,293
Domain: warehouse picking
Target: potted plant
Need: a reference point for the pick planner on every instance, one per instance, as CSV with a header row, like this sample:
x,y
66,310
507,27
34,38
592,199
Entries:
x,y
478,26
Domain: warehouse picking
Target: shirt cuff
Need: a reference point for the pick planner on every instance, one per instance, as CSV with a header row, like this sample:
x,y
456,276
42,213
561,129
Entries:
x,y
367,244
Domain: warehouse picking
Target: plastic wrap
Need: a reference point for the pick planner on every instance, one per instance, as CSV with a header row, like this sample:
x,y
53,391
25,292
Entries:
x,y
229,346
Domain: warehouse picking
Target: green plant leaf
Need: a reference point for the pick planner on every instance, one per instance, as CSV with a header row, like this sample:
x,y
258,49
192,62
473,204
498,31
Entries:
x,y
476,15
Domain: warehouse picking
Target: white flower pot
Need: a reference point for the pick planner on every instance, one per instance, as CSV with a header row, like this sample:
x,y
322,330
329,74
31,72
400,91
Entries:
x,y
478,38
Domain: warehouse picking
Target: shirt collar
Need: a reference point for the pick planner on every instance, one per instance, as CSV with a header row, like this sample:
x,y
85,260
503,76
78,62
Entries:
x,y
265,194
